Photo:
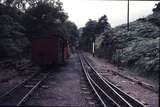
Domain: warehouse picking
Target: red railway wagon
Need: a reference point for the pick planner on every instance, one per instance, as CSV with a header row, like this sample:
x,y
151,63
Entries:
x,y
49,50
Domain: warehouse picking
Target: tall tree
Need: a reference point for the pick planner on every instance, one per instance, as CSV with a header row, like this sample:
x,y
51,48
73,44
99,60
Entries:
x,y
88,35
72,32
92,30
157,8
102,24
45,16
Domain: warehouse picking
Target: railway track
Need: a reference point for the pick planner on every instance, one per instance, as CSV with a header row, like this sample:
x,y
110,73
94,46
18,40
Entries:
x,y
18,95
108,94
141,83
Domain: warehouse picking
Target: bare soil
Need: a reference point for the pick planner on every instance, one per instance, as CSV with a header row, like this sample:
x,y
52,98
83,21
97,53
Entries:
x,y
147,97
62,88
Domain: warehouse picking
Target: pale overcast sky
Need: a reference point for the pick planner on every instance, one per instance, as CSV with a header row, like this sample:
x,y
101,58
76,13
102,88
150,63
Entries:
x,y
80,11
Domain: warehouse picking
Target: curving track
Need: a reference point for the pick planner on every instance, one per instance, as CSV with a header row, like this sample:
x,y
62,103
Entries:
x,y
18,95
108,94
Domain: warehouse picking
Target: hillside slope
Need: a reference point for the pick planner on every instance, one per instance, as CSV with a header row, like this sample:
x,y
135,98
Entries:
x,y
137,49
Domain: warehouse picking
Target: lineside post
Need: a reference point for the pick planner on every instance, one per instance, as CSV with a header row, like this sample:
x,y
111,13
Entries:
x,y
93,45
93,50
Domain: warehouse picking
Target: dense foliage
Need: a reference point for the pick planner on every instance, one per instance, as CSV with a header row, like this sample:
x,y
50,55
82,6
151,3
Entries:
x,y
45,18
72,32
12,33
22,19
92,30
137,49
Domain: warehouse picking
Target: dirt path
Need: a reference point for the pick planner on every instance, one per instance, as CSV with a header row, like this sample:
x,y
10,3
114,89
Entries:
x,y
62,87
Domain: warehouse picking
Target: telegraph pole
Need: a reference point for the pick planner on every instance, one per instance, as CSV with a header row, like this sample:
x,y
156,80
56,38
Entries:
x,y
128,15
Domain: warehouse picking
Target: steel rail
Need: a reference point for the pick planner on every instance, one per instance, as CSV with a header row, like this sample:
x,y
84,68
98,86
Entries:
x,y
17,86
132,101
105,99
141,83
27,95
110,100
21,86
107,88
82,64
32,90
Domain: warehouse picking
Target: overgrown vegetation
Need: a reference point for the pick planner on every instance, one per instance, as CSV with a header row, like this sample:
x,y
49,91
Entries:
x,y
92,30
12,33
137,49
22,19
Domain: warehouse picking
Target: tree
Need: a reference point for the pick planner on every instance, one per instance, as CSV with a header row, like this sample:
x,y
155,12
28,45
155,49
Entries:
x,y
88,35
44,17
12,39
72,32
10,11
28,17
155,19
157,8
92,30
102,24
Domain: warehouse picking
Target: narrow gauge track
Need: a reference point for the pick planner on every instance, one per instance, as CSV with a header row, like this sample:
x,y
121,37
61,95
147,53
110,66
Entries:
x,y
18,95
141,83
108,94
